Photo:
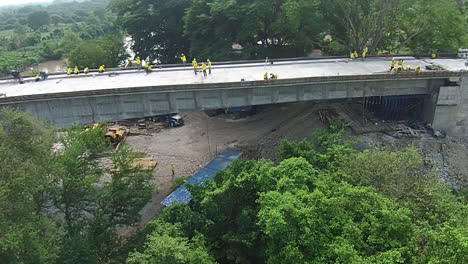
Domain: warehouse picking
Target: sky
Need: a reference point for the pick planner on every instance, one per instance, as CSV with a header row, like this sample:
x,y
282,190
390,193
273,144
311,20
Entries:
x,y
19,2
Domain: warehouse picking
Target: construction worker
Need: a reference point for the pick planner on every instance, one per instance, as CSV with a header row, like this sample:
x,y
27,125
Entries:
x,y
37,78
408,67
172,170
276,76
434,56
195,65
265,76
356,55
400,68
209,66
86,70
102,68
203,66
183,59
364,54
400,63
76,70
393,65
351,55
69,71
148,68
138,61
418,69
366,50
394,69
273,76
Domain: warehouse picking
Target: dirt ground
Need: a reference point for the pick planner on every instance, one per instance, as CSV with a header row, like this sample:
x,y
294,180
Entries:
x,y
190,147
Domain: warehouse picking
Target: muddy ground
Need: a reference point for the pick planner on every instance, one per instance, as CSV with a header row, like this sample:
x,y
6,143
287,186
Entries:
x,y
190,147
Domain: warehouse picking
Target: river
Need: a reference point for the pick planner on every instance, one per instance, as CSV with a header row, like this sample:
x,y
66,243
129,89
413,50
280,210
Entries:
x,y
54,66
51,66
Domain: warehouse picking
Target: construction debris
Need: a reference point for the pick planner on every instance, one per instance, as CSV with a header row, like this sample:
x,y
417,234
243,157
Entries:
x,y
327,115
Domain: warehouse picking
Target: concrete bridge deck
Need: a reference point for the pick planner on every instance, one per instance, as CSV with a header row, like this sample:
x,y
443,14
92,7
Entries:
x,y
221,74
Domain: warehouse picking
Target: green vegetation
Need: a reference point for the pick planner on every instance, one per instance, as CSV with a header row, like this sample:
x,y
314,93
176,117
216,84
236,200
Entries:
x,y
32,34
287,28
324,202
61,206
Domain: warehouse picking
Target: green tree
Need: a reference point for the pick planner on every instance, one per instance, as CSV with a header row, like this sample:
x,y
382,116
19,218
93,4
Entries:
x,y
109,51
28,234
69,42
357,24
168,245
434,26
162,36
38,19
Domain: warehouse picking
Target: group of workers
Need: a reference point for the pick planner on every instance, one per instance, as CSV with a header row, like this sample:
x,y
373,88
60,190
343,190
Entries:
x,y
76,70
355,55
400,67
206,67
141,63
273,76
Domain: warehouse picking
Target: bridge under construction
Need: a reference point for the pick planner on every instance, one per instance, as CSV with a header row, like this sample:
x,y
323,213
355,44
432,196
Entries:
x,y
67,100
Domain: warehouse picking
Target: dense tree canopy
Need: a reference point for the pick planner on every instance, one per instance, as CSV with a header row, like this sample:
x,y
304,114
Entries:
x,y
39,33
374,206
55,206
281,28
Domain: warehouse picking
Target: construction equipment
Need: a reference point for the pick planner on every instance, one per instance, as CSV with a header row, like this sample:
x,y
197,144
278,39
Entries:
x,y
117,136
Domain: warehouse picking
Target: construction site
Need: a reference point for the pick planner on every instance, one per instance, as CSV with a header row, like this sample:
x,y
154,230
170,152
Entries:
x,y
384,122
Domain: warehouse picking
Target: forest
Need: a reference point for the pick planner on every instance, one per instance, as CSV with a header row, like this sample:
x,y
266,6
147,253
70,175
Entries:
x,y
90,33
164,29
324,201
35,33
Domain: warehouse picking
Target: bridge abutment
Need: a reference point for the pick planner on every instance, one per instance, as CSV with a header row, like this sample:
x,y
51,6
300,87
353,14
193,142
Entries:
x,y
451,107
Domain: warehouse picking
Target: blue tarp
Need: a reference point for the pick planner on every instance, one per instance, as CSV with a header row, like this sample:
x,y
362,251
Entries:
x,y
220,163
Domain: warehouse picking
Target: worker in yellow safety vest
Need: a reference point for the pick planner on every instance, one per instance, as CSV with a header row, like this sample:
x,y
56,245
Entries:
x,y
364,54
393,65
356,55
408,67
351,55
86,70
203,66
148,68
76,70
400,68
195,65
138,61
209,66
69,71
183,59
366,50
102,68
265,76
400,63
394,69
418,69
434,56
